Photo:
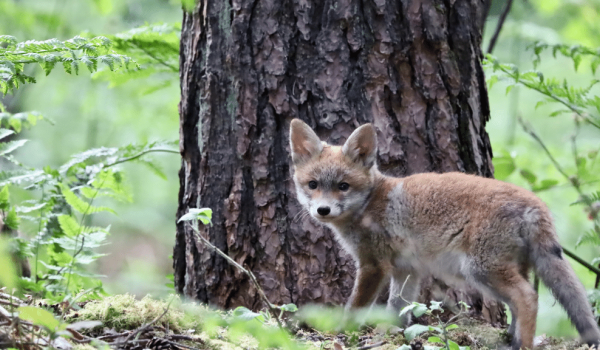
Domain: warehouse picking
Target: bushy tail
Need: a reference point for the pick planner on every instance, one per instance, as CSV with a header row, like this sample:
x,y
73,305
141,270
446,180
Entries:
x,y
557,274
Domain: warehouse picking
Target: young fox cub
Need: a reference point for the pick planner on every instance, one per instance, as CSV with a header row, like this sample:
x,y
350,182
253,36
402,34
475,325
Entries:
x,y
458,227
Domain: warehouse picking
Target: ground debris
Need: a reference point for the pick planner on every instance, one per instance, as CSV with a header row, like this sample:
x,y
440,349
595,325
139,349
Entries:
x,y
123,322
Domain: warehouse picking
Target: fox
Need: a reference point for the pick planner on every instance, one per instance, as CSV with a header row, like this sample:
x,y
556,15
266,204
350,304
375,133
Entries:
x,y
460,228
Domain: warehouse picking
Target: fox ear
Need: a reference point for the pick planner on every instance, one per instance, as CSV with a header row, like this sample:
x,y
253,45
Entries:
x,y
361,146
304,143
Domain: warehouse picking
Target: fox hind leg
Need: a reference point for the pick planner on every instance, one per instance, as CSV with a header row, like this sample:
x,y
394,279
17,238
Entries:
x,y
511,287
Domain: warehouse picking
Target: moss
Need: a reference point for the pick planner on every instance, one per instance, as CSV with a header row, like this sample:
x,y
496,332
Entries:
x,y
125,312
83,347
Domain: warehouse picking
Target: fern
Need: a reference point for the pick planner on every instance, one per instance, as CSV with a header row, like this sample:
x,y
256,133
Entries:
x,y
154,47
72,53
80,205
576,100
574,52
592,197
591,237
18,121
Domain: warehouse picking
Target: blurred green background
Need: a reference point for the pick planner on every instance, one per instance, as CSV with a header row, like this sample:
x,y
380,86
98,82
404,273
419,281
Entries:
x,y
89,113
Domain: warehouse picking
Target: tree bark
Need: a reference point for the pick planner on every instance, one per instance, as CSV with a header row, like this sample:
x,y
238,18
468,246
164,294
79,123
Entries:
x,y
412,68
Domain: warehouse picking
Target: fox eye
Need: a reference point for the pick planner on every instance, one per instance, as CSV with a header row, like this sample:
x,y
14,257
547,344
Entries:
x,y
312,185
343,186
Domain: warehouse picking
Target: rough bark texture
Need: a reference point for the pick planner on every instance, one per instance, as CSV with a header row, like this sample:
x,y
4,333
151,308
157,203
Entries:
x,y
249,66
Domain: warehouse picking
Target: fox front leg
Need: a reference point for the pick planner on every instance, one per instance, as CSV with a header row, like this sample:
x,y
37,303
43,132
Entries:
x,y
367,284
404,289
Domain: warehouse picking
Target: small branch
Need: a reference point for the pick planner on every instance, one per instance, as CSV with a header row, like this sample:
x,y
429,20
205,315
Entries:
x,y
274,309
581,261
499,26
371,346
535,136
176,345
123,160
168,65
402,290
142,328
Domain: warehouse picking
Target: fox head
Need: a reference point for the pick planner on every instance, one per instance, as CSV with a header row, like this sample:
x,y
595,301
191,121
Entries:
x,y
333,182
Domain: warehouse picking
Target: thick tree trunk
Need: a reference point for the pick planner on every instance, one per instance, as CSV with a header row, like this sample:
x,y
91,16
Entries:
x,y
249,66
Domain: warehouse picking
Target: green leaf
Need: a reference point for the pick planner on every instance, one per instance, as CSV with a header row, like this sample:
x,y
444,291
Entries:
x,y
156,169
203,214
8,273
8,147
559,112
503,167
12,219
188,5
545,184
414,331
104,6
4,197
452,326
528,176
420,310
509,88
491,81
436,305
540,103
453,345
435,340
245,314
80,205
289,307
408,308
5,132
38,316
69,226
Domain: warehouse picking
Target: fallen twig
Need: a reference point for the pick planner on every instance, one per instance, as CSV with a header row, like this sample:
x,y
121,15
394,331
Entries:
x,y
372,346
273,308
142,328
180,345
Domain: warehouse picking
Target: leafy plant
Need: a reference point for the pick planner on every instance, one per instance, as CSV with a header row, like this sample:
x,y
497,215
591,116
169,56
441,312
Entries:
x,y
204,215
583,105
155,47
65,244
442,328
15,56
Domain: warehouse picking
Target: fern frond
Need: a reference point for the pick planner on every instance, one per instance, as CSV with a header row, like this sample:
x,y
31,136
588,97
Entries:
x,y
155,47
7,147
49,53
80,205
574,52
577,100
18,121
591,237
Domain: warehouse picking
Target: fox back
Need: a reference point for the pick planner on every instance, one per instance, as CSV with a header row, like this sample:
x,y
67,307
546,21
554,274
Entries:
x,y
463,229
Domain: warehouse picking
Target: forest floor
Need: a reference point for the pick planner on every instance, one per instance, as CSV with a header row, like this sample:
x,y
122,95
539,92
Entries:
x,y
123,322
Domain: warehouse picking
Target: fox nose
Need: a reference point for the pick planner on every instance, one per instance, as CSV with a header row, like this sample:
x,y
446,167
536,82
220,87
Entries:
x,y
323,210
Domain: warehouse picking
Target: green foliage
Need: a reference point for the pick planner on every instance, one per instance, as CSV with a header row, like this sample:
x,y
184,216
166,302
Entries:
x,y
575,52
72,53
64,245
435,309
203,214
155,48
581,173
579,101
8,273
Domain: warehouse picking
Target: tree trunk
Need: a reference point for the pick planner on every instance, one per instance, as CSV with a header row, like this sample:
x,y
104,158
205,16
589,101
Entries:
x,y
248,67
